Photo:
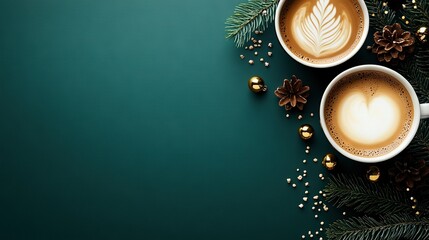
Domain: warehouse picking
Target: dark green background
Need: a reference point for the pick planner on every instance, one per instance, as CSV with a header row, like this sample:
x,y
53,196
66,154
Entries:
x,y
131,119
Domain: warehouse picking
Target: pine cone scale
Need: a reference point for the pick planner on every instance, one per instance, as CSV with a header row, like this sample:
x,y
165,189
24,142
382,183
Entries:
x,y
284,101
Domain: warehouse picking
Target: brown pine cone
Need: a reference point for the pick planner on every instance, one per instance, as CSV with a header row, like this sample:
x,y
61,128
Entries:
x,y
408,172
292,93
393,43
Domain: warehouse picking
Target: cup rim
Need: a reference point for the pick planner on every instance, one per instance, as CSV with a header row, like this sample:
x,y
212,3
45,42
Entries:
x,y
415,121
324,65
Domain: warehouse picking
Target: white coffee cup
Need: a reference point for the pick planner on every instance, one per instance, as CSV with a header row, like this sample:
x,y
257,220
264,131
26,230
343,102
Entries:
x,y
420,111
345,40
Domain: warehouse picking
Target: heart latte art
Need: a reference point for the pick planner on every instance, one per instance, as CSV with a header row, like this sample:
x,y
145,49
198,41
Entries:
x,y
368,119
321,31
368,113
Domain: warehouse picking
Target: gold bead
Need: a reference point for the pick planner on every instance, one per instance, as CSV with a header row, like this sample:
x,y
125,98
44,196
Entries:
x,y
329,161
256,84
373,174
422,34
306,131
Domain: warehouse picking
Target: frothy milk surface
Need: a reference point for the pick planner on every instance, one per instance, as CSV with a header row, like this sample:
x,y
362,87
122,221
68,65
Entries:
x,y
321,31
368,113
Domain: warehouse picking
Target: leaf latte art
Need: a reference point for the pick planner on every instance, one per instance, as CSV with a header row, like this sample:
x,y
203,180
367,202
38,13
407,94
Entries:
x,y
322,31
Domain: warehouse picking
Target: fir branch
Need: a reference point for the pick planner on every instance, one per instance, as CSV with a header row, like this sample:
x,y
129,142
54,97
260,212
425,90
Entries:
x,y
248,17
392,227
417,14
413,72
380,14
422,59
419,146
364,196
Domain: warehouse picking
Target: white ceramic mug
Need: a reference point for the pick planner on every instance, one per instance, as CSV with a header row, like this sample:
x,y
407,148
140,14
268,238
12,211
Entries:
x,y
421,111
335,60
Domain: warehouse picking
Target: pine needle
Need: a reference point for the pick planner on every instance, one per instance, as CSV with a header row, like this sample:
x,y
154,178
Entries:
x,y
366,197
249,17
415,15
419,146
392,227
416,76
380,14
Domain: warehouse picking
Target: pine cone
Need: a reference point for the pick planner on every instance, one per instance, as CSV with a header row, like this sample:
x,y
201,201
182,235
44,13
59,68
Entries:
x,y
408,172
292,93
392,43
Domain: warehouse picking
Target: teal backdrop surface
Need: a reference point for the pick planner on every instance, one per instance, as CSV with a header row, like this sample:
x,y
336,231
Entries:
x,y
131,119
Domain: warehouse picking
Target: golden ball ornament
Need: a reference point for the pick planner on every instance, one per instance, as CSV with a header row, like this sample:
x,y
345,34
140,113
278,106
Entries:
x,y
306,131
373,174
256,84
329,161
422,34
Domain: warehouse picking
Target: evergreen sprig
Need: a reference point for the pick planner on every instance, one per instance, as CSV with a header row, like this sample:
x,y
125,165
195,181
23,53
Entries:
x,y
392,227
420,81
248,17
366,197
379,13
419,146
416,13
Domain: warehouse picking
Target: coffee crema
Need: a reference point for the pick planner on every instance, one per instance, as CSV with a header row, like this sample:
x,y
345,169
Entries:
x,y
368,113
321,31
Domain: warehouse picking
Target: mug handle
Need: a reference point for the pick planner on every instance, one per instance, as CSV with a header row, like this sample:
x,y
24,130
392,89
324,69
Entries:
x,y
424,110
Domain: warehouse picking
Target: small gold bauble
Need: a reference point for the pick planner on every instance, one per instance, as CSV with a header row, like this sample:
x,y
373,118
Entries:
x,y
306,131
329,161
256,84
422,34
373,174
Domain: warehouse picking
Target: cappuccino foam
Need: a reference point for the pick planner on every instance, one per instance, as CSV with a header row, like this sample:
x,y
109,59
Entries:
x,y
368,113
321,31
